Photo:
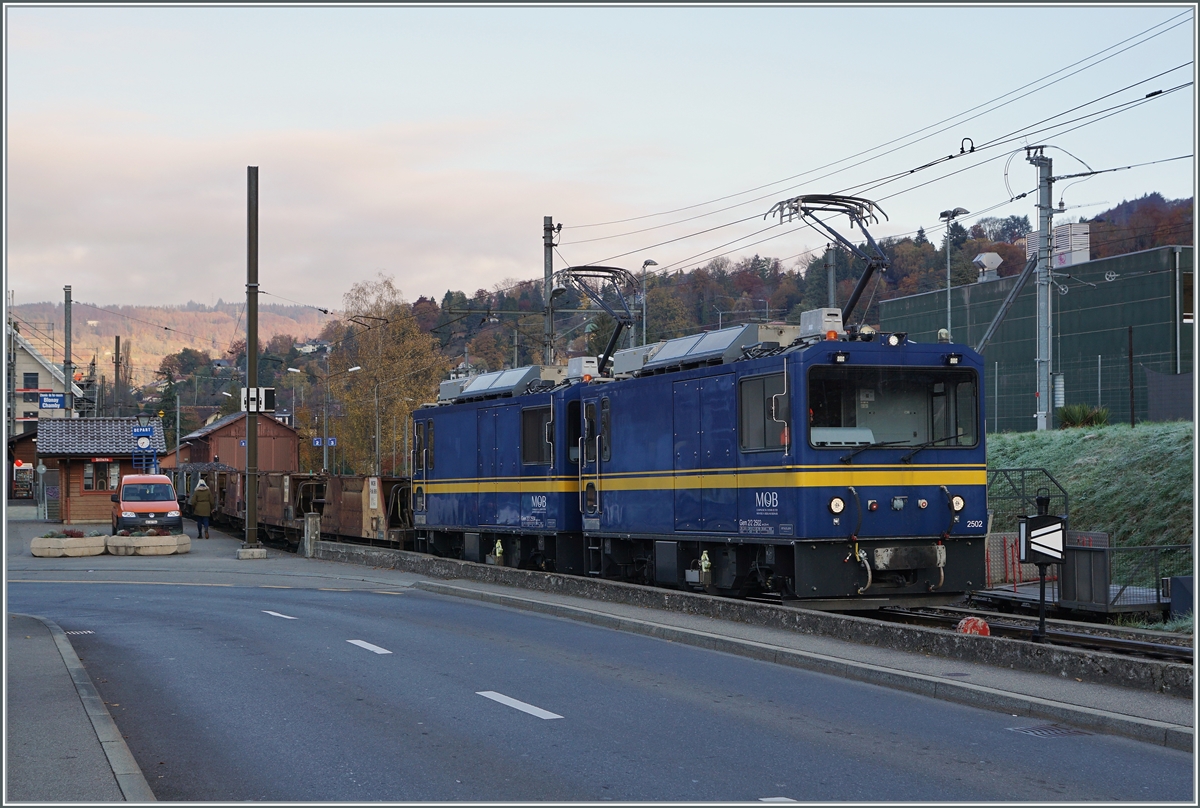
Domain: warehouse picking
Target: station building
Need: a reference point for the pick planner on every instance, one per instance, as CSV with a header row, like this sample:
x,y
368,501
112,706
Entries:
x,y
92,455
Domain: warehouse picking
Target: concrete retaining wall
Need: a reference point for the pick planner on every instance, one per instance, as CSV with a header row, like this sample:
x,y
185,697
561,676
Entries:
x,y
1089,666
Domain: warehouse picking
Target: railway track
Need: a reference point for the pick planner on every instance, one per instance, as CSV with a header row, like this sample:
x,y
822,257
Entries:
x,y
1098,639
1005,626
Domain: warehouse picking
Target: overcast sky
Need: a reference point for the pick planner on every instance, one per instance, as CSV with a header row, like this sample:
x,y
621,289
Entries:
x,y
429,143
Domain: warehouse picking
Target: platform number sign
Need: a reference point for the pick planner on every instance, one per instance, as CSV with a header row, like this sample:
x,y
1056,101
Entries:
x,y
1042,539
317,442
333,441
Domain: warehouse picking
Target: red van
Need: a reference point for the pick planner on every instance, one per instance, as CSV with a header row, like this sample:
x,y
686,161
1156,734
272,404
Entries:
x,y
146,501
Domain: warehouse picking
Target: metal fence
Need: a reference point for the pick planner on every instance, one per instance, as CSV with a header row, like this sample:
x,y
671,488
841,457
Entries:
x,y
1013,493
1099,379
1121,579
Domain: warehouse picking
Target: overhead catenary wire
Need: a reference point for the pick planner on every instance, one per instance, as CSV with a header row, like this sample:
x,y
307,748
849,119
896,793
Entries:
x,y
923,129
866,187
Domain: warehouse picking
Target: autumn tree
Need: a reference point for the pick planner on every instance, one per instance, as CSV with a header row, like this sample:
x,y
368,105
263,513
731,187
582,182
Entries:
x,y
401,369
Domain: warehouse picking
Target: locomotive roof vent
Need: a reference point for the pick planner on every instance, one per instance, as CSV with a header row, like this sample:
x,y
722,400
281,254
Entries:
x,y
579,367
449,389
819,322
629,361
513,382
717,347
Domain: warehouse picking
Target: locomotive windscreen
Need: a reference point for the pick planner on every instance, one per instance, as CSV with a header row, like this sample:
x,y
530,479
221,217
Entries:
x,y
904,406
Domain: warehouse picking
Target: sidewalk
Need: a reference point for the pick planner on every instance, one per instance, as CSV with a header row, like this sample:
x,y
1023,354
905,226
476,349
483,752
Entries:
x,y
62,744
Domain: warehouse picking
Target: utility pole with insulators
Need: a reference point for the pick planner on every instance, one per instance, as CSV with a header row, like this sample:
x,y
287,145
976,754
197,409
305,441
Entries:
x,y
548,232
1036,156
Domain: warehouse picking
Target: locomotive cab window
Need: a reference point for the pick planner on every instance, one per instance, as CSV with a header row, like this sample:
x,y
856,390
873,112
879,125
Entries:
x,y
763,413
535,425
855,406
429,444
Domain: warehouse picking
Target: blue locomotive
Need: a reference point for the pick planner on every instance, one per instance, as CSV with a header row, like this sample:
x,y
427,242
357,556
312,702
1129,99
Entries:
x,y
812,461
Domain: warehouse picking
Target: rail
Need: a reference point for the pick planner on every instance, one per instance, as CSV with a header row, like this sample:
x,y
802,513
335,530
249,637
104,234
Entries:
x,y
1094,642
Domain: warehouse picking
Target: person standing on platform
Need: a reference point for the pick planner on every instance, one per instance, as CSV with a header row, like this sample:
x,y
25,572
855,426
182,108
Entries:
x,y
201,502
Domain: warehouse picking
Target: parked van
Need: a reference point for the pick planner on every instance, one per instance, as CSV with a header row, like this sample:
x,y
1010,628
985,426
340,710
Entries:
x,y
146,501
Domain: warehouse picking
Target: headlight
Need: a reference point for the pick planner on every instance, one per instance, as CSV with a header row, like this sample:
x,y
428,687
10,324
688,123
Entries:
x,y
957,503
128,514
837,505
172,513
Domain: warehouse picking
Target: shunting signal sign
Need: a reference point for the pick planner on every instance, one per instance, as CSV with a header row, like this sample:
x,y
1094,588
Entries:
x,y
1042,539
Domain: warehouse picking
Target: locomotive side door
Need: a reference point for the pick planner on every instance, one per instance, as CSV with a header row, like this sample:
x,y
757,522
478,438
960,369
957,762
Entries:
x,y
487,466
705,431
718,454
685,403
507,421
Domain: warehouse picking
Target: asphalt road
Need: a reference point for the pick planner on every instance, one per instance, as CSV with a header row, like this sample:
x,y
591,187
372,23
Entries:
x,y
253,693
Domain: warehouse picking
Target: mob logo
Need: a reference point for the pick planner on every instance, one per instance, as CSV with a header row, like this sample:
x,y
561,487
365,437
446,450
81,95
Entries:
x,y
766,499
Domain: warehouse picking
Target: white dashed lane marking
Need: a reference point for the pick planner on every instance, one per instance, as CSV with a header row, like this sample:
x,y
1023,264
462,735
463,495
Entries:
x,y
277,614
368,646
517,705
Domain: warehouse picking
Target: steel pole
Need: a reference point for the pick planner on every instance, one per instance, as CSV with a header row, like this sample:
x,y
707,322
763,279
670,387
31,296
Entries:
x,y
831,273
643,305
68,368
547,289
1045,214
252,359
948,331
378,460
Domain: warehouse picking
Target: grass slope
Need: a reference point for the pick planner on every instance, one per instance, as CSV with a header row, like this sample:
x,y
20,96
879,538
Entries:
x,y
1134,483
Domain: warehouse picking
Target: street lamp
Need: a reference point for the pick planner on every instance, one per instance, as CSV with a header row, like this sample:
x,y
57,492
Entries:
x,y
649,262
325,411
293,370
949,216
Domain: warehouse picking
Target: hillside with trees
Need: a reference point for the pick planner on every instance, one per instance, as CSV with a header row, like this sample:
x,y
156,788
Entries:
x,y
150,333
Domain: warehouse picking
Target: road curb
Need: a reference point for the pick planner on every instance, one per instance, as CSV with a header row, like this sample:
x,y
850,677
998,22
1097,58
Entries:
x,y
1173,736
125,769
1158,676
